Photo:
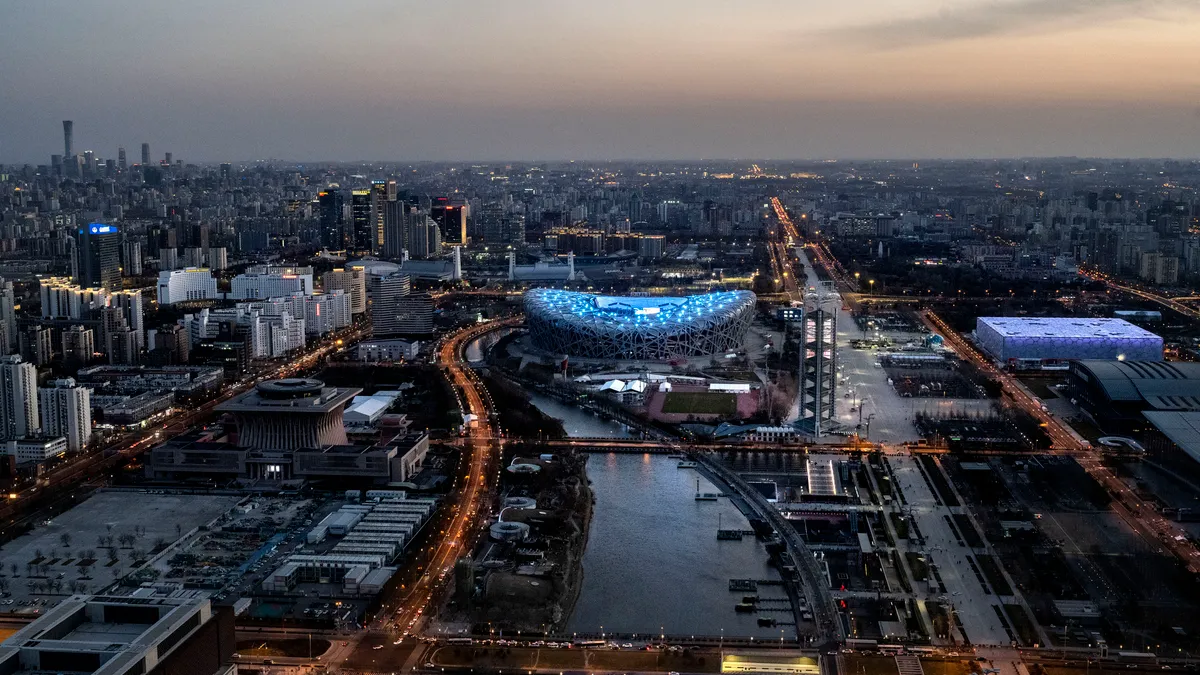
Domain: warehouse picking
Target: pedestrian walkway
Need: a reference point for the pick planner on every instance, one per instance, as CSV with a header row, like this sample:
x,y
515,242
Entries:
x,y
907,664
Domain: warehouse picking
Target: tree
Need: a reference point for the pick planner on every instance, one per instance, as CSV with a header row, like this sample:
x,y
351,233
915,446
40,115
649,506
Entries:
x,y
13,568
65,539
178,530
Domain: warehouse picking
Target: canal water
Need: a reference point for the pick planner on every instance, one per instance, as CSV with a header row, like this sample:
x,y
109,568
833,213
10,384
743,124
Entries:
x,y
653,562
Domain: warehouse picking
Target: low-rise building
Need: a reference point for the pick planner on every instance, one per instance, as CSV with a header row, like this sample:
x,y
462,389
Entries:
x,y
116,635
374,351
35,450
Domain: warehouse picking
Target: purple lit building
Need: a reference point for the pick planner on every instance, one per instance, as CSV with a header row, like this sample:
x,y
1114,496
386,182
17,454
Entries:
x,y
1019,339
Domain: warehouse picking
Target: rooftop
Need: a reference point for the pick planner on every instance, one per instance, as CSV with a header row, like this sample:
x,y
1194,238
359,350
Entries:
x,y
302,395
103,635
1165,385
1064,327
1182,427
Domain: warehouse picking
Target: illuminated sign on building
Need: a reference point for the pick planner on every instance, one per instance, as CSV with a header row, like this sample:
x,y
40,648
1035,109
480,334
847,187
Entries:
x,y
100,228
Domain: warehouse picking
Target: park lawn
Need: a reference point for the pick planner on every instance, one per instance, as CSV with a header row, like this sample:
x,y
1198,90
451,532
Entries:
x,y
700,403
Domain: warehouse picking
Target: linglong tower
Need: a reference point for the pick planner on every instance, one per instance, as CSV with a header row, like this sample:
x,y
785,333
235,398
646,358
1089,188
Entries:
x,y
818,363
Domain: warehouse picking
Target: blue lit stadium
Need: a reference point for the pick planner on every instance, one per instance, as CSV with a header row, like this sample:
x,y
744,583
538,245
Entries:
x,y
637,328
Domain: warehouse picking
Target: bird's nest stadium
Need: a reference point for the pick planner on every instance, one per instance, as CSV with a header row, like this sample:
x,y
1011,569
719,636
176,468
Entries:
x,y
637,328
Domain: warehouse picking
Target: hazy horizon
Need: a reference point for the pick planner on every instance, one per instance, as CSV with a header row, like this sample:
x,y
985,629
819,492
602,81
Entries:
x,y
627,81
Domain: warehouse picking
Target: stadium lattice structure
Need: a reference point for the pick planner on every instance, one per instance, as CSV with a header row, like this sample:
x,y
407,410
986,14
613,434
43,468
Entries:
x,y
637,328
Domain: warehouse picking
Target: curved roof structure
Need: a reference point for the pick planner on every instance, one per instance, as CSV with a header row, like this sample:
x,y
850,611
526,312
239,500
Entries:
x,y
637,328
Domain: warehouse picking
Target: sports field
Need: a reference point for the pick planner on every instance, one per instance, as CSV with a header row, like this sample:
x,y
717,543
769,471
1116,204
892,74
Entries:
x,y
700,403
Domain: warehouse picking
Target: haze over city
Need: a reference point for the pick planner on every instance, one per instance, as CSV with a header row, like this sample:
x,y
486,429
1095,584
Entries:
x,y
750,337
463,80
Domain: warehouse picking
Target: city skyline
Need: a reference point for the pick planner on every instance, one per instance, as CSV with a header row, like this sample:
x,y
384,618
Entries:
x,y
462,81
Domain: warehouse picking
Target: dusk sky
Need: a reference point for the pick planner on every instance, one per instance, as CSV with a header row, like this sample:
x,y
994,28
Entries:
x,y
563,79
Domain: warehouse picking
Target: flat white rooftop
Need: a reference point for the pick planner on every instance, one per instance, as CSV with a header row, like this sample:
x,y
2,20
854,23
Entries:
x,y
1064,327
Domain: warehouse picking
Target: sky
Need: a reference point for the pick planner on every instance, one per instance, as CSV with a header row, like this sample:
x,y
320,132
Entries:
x,y
460,80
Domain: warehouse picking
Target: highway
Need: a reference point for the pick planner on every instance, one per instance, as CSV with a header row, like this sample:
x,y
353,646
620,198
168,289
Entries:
x,y
478,483
1169,303
1141,517
781,263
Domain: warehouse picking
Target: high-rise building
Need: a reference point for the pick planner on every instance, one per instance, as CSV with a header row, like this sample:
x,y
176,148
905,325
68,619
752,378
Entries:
x,y
68,131
332,219
424,236
193,256
122,163
66,410
64,300
145,154
168,259
414,314
362,223
98,256
385,292
395,229
131,258
352,280
130,304
8,318
78,346
171,345
18,398
451,220
218,258
36,345
382,192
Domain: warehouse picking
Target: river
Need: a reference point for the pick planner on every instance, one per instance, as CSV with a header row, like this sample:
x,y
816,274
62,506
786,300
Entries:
x,y
653,562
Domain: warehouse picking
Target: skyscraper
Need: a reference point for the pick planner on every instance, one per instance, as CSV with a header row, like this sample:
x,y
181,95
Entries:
x,y
98,256
18,398
395,228
121,162
66,410
424,236
68,131
8,317
451,220
145,154
382,192
362,225
332,219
